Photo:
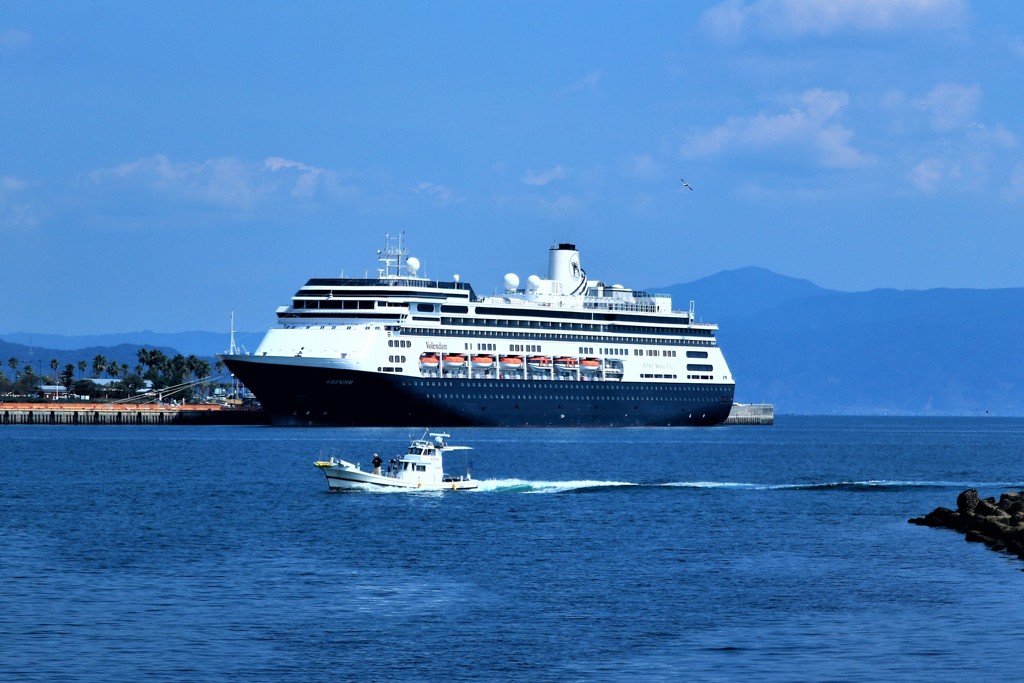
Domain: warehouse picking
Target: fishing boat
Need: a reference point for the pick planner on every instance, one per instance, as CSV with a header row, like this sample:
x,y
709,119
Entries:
x,y
421,467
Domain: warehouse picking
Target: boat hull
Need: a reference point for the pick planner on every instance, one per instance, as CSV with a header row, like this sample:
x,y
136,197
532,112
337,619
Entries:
x,y
303,392
343,478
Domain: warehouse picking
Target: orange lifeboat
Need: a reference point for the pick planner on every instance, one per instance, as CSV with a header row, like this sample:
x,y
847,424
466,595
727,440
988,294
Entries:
x,y
454,360
511,362
566,363
429,361
539,362
482,362
590,364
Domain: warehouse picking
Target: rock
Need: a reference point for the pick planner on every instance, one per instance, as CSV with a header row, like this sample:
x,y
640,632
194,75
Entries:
x,y
939,517
999,525
1011,503
967,501
988,508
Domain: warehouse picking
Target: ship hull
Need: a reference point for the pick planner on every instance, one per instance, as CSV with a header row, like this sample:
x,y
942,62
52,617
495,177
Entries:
x,y
305,393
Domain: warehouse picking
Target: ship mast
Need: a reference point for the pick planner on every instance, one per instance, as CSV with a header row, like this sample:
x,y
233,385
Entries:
x,y
232,349
392,257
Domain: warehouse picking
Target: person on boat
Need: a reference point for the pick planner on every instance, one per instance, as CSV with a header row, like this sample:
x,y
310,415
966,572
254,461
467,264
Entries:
x,y
392,466
376,464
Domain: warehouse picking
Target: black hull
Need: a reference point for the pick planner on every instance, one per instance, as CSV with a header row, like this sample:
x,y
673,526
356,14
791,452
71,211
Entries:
x,y
311,395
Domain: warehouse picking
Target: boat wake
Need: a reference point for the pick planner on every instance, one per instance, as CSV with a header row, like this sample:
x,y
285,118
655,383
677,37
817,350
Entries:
x,y
867,485
523,486
853,485
592,485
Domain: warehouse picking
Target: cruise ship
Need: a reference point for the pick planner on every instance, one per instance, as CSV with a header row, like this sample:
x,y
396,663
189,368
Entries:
x,y
562,351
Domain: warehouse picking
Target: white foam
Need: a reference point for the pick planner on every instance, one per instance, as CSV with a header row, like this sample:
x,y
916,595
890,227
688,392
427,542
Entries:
x,y
525,486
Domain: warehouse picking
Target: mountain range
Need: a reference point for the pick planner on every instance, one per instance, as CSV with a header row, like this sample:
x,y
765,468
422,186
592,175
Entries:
x,y
789,342
810,350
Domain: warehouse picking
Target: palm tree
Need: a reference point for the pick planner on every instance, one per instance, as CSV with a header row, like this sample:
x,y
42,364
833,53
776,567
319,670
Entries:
x,y
158,361
201,368
13,363
99,364
68,376
145,358
54,364
178,367
82,366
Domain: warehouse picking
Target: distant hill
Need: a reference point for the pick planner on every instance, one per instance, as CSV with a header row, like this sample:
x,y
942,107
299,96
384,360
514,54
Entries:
x,y
39,357
187,343
741,292
789,342
818,351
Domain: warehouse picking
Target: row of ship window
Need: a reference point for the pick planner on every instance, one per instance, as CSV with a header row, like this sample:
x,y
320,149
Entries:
x,y
677,341
532,385
503,396
582,327
527,349
551,397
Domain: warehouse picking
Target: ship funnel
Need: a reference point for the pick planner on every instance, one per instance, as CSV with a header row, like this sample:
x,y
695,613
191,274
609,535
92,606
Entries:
x,y
564,268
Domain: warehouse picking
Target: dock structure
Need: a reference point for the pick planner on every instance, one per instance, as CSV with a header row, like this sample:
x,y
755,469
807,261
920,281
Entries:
x,y
751,414
123,414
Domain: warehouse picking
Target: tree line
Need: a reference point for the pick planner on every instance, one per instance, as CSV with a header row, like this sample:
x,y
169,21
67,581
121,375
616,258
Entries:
x,y
184,375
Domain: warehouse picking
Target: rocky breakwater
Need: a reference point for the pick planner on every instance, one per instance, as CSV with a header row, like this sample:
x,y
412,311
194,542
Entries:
x,y
997,524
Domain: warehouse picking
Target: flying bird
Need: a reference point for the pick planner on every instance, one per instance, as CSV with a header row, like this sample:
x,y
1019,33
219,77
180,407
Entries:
x,y
686,185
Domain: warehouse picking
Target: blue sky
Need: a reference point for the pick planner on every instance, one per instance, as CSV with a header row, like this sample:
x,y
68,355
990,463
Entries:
x,y
164,163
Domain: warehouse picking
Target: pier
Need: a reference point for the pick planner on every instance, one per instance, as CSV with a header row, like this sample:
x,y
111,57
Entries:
x,y
751,414
124,414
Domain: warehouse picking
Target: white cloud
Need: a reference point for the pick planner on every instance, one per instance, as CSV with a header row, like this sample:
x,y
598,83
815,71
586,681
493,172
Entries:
x,y
997,136
589,83
950,105
731,20
224,181
440,193
808,124
930,173
1017,46
544,177
13,39
16,209
306,183
641,166
1015,188
10,185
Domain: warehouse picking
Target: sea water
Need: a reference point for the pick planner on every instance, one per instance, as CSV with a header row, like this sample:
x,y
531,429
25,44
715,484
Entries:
x,y
730,553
